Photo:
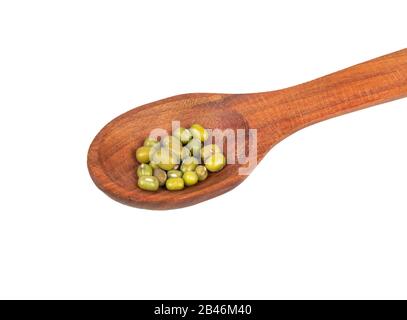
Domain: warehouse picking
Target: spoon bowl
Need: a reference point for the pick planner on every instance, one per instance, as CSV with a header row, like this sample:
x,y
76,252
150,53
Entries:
x,y
111,160
274,115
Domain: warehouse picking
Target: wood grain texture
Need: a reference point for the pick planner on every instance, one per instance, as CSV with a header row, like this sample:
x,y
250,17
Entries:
x,y
275,115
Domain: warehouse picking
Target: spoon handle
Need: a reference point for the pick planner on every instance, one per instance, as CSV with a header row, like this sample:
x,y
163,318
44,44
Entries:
x,y
370,83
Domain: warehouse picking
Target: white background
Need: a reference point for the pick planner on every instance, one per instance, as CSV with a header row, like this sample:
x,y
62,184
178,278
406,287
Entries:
x,y
323,216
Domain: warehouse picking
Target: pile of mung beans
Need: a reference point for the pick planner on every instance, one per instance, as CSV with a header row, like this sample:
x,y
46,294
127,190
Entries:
x,y
182,159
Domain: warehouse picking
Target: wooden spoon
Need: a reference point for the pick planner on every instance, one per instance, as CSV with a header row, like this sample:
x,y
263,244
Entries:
x,y
275,115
